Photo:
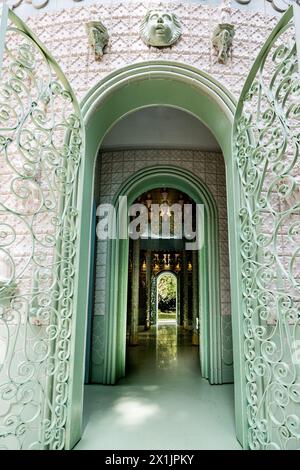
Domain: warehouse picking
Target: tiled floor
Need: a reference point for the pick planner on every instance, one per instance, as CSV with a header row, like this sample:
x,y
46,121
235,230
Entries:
x,y
163,403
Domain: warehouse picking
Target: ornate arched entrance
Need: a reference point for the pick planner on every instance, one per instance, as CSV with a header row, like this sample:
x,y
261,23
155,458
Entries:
x,y
127,90
173,278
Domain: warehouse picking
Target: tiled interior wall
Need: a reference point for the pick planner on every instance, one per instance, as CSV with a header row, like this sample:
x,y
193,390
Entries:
x,y
114,170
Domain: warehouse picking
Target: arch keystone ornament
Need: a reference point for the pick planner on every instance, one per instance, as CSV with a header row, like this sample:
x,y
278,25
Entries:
x,y
266,150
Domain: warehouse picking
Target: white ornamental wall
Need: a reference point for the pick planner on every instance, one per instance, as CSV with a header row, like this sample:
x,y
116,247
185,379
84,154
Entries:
x,y
115,168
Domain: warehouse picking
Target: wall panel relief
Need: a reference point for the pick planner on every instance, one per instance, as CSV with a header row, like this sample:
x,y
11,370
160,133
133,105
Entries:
x,y
160,28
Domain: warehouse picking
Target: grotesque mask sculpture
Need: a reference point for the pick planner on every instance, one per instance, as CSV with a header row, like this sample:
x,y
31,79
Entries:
x,y
160,28
222,41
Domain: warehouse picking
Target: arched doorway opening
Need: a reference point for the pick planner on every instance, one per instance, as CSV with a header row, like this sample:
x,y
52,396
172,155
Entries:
x,y
184,88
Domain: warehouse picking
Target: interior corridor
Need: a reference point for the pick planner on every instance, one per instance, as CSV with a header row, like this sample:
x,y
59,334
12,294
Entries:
x,y
162,403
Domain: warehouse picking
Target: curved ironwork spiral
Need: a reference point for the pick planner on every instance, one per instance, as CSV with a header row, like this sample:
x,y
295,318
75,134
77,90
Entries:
x,y
40,150
267,144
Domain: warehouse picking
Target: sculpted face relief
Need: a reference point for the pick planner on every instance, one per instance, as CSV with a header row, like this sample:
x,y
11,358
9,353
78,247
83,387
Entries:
x,y
160,28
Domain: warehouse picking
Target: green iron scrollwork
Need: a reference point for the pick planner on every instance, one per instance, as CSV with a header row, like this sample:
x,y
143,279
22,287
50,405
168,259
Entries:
x,y
266,140
41,140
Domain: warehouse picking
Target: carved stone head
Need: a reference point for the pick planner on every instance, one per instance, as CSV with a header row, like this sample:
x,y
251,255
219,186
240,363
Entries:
x,y
160,28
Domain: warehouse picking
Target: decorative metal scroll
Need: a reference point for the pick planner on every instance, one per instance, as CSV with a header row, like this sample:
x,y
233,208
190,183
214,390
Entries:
x,y
40,151
267,144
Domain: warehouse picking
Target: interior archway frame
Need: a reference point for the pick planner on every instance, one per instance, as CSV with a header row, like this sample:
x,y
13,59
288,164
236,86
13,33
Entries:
x,y
209,271
160,274
134,87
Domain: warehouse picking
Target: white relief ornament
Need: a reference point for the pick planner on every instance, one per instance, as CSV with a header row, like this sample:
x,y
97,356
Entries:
x,y
160,28
278,5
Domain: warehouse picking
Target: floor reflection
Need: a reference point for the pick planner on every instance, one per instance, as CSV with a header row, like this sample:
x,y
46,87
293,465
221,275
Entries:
x,y
162,395
166,345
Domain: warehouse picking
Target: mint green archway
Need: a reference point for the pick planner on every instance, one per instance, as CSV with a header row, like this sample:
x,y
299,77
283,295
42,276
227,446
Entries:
x,y
209,280
128,89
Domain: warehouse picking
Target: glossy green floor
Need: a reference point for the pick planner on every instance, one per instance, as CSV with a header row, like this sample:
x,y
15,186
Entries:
x,y
163,403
